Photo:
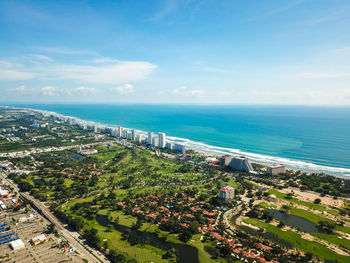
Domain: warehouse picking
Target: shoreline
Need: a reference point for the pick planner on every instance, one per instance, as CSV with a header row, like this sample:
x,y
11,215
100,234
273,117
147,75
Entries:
x,y
211,150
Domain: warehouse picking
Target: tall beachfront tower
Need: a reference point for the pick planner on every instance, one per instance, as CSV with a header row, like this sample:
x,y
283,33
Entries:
x,y
149,139
120,131
155,141
162,139
133,135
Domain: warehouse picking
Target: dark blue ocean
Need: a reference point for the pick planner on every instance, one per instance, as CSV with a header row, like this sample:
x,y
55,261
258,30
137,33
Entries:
x,y
309,138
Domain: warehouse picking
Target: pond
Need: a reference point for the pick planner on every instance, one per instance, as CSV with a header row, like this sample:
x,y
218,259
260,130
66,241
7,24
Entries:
x,y
268,235
294,221
185,253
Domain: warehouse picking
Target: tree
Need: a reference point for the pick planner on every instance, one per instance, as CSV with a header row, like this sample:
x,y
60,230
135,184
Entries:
x,y
51,229
91,236
137,224
281,224
126,234
317,201
326,226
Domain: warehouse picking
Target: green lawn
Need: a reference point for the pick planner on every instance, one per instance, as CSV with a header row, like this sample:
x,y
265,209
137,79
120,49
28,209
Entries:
x,y
300,243
333,239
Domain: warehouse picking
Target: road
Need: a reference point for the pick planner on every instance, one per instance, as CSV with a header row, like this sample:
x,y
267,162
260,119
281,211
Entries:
x,y
93,255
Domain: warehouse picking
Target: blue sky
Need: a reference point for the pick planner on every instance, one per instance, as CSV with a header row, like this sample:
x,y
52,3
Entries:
x,y
175,51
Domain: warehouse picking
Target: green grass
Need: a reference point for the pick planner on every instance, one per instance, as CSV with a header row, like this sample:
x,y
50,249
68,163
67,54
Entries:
x,y
333,239
300,243
142,253
266,205
203,256
297,201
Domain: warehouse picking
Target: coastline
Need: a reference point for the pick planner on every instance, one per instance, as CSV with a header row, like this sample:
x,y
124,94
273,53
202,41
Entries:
x,y
211,150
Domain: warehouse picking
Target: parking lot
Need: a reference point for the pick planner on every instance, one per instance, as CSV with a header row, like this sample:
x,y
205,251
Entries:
x,y
27,225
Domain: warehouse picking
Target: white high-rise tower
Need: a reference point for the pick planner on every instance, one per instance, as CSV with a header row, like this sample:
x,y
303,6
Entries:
x,y
162,140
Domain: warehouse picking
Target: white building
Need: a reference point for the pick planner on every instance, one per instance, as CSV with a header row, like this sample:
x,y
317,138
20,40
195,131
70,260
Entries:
x,y
155,141
125,133
114,132
120,131
17,244
94,128
140,138
241,163
150,138
162,139
276,169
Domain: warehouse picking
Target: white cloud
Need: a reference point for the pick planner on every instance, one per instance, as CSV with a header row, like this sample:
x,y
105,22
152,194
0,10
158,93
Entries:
x,y
20,89
48,91
124,90
119,72
44,91
185,92
84,90
9,74
315,75
102,71
224,93
196,92
179,90
66,51
40,58
104,60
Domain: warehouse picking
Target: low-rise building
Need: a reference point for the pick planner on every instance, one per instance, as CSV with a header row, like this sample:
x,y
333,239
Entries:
x,y
180,148
276,169
17,244
227,193
38,240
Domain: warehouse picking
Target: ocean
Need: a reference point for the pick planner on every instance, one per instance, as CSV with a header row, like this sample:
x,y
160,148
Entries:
x,y
307,138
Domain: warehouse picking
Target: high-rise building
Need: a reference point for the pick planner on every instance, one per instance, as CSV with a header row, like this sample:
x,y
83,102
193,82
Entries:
x,y
149,138
94,128
129,135
139,138
155,141
125,133
133,135
241,163
114,132
162,139
120,131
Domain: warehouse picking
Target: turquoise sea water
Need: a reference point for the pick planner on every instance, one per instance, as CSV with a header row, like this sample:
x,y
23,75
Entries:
x,y
310,138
